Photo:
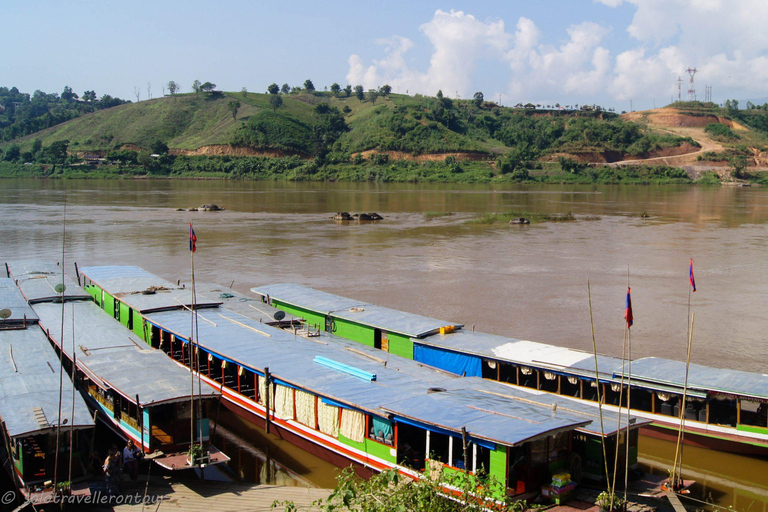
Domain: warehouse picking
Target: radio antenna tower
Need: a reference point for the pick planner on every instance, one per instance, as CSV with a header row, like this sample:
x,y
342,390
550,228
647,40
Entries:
x,y
679,88
691,87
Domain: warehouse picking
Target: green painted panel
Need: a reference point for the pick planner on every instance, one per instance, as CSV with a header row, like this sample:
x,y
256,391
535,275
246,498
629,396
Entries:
x,y
94,291
139,326
354,444
109,304
498,463
313,318
353,331
632,455
753,429
400,345
379,450
125,313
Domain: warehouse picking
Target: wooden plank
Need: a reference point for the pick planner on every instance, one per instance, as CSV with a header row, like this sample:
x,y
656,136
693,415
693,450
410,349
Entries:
x,y
675,501
199,496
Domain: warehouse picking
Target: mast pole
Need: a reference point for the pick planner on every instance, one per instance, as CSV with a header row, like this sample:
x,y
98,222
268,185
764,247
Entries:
x,y
597,382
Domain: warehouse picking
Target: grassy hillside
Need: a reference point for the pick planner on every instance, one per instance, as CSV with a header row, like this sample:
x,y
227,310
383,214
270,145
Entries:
x,y
414,125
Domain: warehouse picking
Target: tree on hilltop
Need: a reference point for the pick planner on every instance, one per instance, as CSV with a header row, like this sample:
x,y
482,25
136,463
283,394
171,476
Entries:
x,y
478,99
196,87
385,90
173,87
285,89
273,88
308,85
207,87
335,88
359,92
373,94
348,91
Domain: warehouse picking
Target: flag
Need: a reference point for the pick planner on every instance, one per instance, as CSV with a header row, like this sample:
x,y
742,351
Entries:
x,y
690,276
628,312
192,239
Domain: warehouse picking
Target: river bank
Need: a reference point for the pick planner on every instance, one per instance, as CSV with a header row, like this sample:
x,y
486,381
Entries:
x,y
295,169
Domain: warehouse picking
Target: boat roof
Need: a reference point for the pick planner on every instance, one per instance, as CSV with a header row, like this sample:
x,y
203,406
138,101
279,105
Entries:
x,y
29,386
402,387
115,357
248,306
562,360
655,370
141,290
525,353
391,320
37,280
12,299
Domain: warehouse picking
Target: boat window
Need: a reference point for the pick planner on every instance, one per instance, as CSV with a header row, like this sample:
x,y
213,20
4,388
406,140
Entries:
x,y
262,382
507,373
529,377
230,375
381,430
754,413
305,408
641,399
549,381
570,386
482,459
411,443
490,369
352,425
216,371
439,446
722,411
247,383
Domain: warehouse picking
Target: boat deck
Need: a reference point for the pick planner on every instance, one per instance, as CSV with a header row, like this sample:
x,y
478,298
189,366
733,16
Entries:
x,y
210,496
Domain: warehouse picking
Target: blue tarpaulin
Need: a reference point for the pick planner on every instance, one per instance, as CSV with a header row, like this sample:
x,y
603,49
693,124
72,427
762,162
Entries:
x,y
454,362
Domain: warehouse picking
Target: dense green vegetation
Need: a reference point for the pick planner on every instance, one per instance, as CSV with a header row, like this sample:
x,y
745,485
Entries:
x,y
346,134
23,114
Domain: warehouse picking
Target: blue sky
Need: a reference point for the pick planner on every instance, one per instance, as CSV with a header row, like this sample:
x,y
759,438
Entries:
x,y
544,51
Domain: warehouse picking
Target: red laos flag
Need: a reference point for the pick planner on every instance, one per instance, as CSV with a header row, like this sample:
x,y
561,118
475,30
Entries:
x,y
192,239
690,276
628,312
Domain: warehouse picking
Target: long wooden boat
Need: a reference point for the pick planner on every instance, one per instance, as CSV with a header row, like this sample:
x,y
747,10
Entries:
x,y
135,390
724,410
36,404
347,403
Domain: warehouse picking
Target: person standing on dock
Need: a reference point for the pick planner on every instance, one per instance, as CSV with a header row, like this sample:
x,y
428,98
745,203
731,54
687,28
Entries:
x,y
131,456
111,469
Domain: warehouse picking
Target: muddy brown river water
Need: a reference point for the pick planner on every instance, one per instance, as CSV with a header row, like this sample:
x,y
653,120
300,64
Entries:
x,y
527,282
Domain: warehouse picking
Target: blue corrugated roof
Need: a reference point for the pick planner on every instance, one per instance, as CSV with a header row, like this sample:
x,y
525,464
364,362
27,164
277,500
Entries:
x,y
29,385
11,298
250,307
111,353
700,378
400,386
387,319
38,279
141,290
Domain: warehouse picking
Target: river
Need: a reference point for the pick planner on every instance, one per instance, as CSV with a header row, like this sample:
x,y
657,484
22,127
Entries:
x,y
527,282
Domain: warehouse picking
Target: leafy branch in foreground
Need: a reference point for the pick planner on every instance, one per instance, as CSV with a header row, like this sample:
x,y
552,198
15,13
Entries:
x,y
438,491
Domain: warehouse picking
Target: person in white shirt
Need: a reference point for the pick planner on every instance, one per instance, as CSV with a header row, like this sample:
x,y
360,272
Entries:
x,y
131,456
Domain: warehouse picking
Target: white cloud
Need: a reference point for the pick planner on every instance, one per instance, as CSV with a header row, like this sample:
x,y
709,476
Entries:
x,y
725,41
458,41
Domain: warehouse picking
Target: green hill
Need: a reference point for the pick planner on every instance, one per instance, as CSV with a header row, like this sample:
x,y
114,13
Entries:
x,y
332,136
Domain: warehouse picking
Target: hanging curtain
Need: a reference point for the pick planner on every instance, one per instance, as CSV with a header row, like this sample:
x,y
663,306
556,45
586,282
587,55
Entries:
x,y
352,425
305,408
381,430
328,419
263,393
284,402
